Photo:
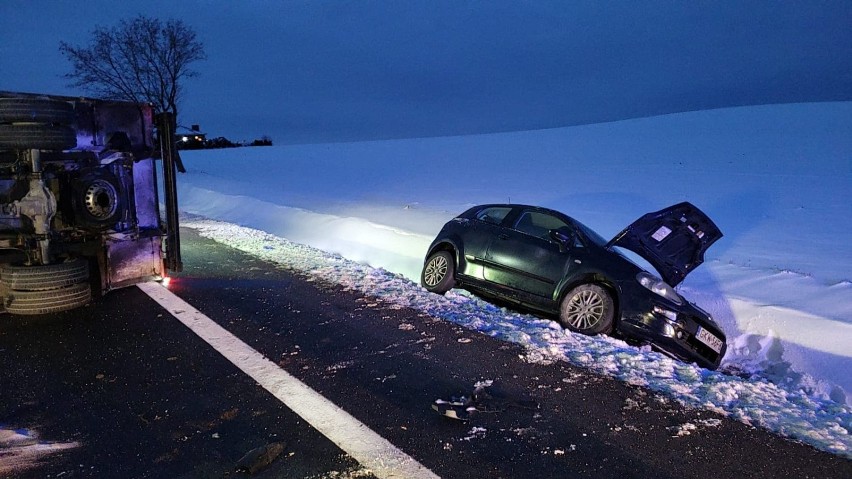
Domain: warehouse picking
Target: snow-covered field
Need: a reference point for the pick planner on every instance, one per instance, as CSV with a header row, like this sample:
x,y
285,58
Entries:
x,y
775,179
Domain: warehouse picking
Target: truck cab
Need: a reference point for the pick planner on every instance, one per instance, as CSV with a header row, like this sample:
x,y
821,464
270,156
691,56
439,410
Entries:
x,y
88,200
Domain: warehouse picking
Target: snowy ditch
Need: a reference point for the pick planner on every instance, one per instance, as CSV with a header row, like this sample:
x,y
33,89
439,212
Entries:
x,y
785,407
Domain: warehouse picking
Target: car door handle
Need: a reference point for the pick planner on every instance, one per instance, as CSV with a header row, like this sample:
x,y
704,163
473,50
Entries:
x,y
503,236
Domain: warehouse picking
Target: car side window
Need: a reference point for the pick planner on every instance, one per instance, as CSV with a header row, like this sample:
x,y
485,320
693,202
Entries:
x,y
538,224
494,215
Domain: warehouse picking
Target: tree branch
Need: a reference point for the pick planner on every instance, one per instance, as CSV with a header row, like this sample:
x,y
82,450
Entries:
x,y
141,60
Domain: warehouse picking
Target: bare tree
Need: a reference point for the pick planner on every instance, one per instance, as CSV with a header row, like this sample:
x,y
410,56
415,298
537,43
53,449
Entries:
x,y
140,60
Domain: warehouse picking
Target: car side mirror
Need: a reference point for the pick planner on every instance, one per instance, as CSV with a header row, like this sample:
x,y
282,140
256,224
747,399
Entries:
x,y
562,238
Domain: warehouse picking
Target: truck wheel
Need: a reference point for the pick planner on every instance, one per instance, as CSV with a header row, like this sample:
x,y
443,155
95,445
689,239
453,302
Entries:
x,y
37,137
46,277
46,302
36,110
99,202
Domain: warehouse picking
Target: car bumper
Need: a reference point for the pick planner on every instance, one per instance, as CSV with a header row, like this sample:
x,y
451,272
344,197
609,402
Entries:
x,y
675,333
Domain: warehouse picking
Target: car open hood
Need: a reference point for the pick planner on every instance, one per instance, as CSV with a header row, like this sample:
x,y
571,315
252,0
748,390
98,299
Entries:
x,y
673,240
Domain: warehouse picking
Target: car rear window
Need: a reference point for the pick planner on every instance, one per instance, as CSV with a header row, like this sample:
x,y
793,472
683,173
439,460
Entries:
x,y
494,214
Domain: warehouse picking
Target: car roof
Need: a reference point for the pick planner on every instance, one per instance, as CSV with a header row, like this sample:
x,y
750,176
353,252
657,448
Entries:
x,y
514,205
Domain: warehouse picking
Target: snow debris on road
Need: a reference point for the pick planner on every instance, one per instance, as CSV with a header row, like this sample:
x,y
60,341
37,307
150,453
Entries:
x,y
688,428
475,433
21,449
789,410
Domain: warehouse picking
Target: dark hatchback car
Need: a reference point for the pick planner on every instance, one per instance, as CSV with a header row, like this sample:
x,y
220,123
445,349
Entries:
x,y
548,262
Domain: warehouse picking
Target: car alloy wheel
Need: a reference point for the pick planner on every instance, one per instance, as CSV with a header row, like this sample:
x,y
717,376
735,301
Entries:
x,y
436,270
438,274
587,309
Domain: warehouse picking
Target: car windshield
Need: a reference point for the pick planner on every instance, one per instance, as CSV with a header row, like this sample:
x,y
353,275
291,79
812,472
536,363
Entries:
x,y
591,234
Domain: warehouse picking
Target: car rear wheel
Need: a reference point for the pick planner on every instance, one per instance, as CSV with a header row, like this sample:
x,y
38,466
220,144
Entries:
x,y
439,273
587,309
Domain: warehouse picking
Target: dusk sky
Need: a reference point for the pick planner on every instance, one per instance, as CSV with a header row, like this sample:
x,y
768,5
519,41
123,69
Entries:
x,y
320,71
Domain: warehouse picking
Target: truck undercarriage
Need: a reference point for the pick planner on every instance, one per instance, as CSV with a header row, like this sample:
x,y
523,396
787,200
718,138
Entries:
x,y
80,187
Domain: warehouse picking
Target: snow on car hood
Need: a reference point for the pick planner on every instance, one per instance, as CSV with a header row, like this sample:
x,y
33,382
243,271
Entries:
x,y
673,240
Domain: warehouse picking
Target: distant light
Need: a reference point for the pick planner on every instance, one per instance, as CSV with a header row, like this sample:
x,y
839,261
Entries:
x,y
165,282
186,138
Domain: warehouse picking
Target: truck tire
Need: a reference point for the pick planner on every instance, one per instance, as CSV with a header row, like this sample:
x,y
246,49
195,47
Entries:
x,y
46,302
46,277
37,137
36,110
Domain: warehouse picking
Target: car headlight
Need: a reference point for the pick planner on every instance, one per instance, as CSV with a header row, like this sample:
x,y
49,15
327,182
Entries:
x,y
659,287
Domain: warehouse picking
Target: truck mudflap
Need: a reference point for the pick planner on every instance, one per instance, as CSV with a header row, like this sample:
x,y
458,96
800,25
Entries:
x,y
132,260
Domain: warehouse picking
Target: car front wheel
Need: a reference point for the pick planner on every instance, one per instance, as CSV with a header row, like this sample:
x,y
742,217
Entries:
x,y
587,309
438,274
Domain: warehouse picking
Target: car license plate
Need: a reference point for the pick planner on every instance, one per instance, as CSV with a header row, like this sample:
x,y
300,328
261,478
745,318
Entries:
x,y
709,339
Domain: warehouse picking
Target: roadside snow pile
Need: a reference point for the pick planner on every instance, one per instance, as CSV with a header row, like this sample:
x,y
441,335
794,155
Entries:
x,y
782,326
785,408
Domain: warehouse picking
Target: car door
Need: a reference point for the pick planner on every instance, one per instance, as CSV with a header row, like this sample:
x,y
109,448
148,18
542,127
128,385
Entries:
x,y
479,232
523,257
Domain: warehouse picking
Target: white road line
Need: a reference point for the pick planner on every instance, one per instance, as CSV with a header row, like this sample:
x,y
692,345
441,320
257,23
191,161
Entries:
x,y
372,451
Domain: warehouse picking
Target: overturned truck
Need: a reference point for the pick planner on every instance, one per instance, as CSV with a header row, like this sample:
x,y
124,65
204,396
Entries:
x,y
81,182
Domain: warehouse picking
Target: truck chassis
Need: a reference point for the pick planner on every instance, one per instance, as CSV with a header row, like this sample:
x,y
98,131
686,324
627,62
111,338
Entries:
x,y
80,187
